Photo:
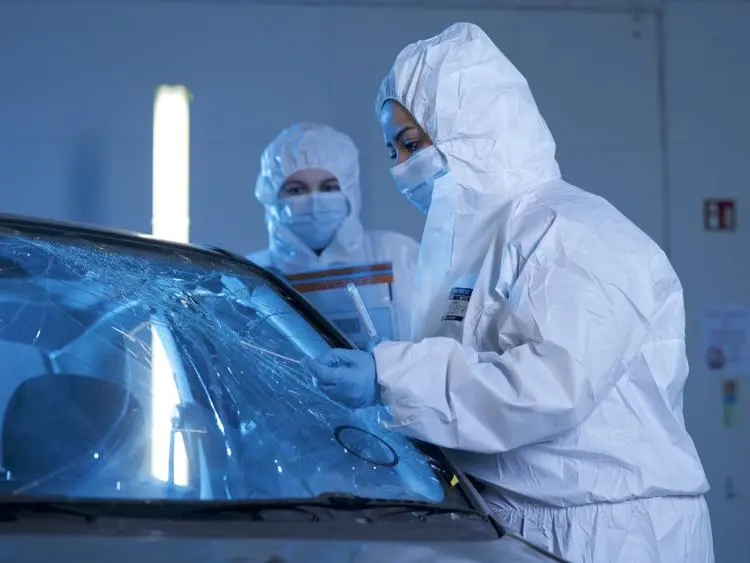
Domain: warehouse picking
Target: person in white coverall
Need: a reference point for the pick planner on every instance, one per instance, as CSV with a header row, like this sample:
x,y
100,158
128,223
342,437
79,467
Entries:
x,y
309,185
548,348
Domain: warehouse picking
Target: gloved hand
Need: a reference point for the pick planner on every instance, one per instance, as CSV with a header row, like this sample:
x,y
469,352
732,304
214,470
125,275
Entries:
x,y
346,376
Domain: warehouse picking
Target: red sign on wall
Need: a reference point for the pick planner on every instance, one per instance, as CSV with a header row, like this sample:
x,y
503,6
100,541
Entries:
x,y
719,215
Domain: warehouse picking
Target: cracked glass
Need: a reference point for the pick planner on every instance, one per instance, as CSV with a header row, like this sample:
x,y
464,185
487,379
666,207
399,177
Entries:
x,y
138,370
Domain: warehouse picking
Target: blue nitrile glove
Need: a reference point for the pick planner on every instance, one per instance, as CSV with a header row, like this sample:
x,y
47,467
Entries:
x,y
346,376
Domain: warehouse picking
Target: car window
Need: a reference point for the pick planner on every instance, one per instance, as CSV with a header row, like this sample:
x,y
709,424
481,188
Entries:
x,y
134,371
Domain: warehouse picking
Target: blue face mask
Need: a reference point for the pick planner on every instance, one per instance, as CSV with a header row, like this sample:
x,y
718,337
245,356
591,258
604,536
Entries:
x,y
314,218
415,177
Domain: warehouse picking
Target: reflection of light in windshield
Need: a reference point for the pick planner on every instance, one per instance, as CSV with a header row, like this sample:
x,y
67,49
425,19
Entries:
x,y
164,399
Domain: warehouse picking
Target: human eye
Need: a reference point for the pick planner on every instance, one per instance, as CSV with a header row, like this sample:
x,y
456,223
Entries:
x,y
294,189
412,145
332,187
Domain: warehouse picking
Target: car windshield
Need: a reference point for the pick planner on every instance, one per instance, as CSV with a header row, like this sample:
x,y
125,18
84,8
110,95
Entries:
x,y
132,369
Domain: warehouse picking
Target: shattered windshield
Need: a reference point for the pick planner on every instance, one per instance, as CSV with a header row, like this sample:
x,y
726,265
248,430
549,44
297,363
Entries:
x,y
134,370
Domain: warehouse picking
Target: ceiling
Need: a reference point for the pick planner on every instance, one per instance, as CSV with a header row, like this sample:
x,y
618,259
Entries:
x,y
592,5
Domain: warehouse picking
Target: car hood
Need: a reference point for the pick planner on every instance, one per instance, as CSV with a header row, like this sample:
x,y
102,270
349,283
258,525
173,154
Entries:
x,y
55,540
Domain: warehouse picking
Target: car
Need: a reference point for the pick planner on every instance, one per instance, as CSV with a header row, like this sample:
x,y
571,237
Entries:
x,y
155,406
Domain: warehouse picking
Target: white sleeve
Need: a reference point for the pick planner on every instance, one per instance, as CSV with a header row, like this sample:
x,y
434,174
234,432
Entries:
x,y
576,336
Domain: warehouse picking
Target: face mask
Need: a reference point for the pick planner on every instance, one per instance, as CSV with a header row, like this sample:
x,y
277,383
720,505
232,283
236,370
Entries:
x,y
315,217
415,177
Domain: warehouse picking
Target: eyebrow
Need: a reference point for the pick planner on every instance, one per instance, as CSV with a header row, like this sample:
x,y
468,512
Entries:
x,y
293,184
401,133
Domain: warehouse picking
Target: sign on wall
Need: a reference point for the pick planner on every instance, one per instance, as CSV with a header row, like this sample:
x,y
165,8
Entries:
x,y
719,215
726,334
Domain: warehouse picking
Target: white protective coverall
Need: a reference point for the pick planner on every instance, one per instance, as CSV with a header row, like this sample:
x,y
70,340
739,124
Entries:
x,y
559,384
310,145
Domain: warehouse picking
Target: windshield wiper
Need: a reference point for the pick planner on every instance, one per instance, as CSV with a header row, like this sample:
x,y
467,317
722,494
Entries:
x,y
382,508
370,510
258,511
11,511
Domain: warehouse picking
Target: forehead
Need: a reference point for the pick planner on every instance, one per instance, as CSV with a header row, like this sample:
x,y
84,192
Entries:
x,y
310,176
394,118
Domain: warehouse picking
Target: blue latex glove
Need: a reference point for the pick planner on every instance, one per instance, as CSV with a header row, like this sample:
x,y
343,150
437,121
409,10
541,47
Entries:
x,y
346,376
